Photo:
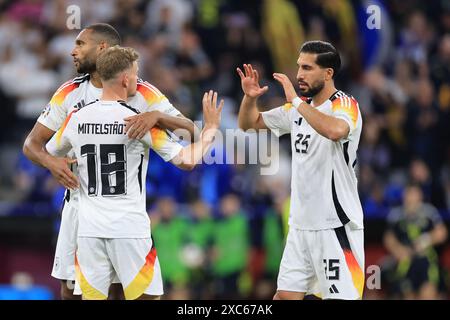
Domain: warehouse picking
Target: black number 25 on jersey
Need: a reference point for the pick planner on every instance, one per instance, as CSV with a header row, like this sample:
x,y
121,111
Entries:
x,y
110,161
301,144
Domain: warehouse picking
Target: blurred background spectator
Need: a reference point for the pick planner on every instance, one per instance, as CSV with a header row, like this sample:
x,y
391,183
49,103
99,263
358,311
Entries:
x,y
230,249
219,230
170,234
415,229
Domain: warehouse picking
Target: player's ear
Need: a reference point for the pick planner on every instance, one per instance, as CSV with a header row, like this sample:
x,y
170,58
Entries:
x,y
102,45
125,80
329,74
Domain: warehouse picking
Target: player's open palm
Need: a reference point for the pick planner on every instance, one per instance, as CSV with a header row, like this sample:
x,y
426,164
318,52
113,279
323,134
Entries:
x,y
250,82
288,88
211,113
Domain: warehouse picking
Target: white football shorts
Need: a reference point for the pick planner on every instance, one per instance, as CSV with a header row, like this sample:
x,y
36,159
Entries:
x,y
66,245
134,262
330,261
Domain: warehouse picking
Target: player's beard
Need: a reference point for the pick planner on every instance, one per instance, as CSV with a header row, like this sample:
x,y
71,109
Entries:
x,y
86,66
313,90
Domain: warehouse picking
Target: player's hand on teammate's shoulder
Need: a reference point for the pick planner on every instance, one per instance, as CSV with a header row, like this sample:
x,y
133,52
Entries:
x,y
288,88
250,82
212,113
60,169
138,125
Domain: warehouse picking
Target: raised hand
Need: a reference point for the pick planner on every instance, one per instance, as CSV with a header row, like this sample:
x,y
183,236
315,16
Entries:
x,y
212,113
289,90
250,82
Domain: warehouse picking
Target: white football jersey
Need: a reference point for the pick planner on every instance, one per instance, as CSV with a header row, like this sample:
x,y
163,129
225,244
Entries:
x,y
78,92
112,168
324,192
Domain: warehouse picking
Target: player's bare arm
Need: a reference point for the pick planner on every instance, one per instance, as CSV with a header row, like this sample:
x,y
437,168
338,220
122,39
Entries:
x,y
172,123
328,126
191,155
137,126
249,117
34,149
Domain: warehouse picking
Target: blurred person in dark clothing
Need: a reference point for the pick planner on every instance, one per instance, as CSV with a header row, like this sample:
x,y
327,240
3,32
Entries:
x,y
386,98
440,70
422,124
374,152
432,190
192,62
415,40
440,75
414,230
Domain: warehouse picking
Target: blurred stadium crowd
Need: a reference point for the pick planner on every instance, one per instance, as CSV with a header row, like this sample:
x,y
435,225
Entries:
x,y
219,229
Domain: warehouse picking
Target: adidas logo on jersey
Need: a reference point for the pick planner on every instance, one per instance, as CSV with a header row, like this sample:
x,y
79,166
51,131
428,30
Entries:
x,y
299,121
80,104
333,289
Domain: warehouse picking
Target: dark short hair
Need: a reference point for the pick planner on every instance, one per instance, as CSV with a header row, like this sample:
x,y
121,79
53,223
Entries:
x,y
105,32
327,55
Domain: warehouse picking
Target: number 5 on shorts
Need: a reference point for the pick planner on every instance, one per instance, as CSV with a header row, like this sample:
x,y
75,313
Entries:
x,y
331,266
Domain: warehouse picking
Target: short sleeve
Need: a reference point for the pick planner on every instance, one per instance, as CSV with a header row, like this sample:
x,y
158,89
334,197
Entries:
x,y
165,107
347,109
155,100
62,141
278,120
57,109
163,144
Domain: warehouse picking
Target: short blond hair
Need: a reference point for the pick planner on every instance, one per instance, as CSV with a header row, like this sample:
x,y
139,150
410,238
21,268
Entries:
x,y
114,60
